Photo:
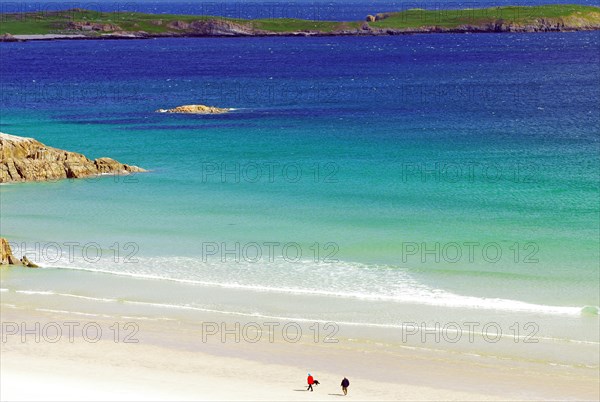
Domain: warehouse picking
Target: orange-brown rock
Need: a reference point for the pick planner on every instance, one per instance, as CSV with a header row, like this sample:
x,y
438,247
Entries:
x,y
195,109
7,257
26,159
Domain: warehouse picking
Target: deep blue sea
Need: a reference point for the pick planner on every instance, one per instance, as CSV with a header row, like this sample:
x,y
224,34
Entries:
x,y
454,171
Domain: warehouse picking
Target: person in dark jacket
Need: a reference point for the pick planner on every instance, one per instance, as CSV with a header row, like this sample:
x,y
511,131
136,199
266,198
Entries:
x,y
345,385
310,380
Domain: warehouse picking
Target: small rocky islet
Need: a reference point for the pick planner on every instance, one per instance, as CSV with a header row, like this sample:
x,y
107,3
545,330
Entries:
x,y
195,109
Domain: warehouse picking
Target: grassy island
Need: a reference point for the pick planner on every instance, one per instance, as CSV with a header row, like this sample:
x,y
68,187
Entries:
x,y
85,24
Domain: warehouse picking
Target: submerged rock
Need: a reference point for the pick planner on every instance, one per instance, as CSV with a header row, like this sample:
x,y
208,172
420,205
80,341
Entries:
x,y
26,159
195,109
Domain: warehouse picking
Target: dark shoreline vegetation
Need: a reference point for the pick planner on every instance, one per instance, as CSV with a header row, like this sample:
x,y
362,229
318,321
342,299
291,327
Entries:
x,y
85,24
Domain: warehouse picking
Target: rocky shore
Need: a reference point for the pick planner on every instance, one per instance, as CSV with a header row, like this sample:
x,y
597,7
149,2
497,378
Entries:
x,y
7,257
26,159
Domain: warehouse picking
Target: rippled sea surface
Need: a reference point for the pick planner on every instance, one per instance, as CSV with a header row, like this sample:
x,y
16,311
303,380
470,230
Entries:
x,y
457,172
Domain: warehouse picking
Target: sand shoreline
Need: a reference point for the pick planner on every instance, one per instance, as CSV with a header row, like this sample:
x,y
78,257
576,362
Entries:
x,y
171,362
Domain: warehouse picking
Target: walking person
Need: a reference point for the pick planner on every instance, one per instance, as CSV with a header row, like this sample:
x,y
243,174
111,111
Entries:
x,y
310,380
345,385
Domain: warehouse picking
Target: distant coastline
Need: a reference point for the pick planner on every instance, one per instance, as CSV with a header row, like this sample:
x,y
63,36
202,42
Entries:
x,y
79,24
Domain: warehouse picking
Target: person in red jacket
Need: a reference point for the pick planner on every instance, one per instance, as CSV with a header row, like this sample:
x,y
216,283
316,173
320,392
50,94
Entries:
x,y
310,380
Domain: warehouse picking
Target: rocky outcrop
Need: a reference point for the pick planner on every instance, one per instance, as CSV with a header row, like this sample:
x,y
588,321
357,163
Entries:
x,y
570,23
382,16
180,25
25,262
195,109
370,18
213,27
8,38
539,25
7,257
575,22
92,26
26,159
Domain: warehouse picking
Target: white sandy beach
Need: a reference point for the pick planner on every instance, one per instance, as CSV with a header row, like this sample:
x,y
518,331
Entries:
x,y
170,362
184,377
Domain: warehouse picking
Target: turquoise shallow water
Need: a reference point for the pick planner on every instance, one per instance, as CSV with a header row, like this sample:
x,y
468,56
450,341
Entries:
x,y
359,153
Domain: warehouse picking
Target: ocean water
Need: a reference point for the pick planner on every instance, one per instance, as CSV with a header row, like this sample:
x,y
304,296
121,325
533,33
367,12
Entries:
x,y
363,180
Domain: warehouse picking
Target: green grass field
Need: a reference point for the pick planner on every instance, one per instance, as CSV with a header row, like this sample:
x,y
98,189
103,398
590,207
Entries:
x,y
475,16
293,25
58,22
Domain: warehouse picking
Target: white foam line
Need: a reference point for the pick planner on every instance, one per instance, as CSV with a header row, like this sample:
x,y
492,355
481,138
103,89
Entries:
x,y
50,293
87,297
450,300
72,312
356,324
126,317
3,290
35,292
283,318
